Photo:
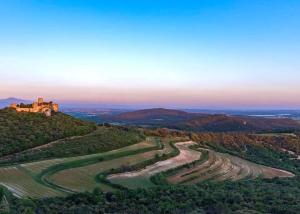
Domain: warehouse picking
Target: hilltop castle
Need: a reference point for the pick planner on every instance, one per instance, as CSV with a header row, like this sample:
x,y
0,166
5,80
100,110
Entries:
x,y
37,107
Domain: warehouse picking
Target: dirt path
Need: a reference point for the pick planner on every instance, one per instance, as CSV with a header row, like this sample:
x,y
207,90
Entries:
x,y
186,156
219,166
47,145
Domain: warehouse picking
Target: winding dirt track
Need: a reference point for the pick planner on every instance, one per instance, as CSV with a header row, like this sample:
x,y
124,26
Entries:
x,y
218,167
186,156
44,146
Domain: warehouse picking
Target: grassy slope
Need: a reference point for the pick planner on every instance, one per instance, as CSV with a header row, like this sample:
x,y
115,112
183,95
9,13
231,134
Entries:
x,y
43,176
21,131
30,177
85,173
102,140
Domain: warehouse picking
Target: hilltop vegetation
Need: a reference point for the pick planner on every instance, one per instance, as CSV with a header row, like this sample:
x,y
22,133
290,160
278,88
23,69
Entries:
x,y
104,138
21,131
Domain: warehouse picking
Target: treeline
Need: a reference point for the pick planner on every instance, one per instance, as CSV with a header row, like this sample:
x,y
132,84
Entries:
x,y
104,138
257,196
21,131
236,140
270,150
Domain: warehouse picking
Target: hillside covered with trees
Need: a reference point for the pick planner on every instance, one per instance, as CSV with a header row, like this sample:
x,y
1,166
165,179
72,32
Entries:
x,y
104,138
21,131
199,122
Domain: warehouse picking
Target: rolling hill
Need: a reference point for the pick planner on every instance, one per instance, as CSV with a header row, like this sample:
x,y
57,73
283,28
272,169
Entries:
x,y
21,131
205,122
154,113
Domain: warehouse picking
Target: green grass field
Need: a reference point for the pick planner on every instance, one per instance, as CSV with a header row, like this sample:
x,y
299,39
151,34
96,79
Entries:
x,y
83,178
23,180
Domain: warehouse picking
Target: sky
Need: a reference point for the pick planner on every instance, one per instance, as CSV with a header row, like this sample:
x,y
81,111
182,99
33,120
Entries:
x,y
166,53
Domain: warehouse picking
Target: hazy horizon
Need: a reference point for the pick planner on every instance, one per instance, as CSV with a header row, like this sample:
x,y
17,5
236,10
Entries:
x,y
202,54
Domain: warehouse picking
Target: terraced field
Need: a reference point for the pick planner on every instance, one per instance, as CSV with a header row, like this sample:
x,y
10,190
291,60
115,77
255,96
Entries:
x,y
142,177
83,178
217,167
22,180
181,163
21,183
221,167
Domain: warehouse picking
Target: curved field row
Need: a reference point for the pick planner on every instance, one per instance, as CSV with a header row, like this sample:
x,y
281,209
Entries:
x,y
21,184
81,179
220,167
139,178
37,167
21,179
216,166
56,177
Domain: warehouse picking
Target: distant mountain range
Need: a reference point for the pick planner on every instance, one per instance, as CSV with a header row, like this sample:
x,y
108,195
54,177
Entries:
x,y
6,102
264,121
204,122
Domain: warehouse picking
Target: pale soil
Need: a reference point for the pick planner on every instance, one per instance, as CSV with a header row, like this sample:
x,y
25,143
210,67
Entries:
x,y
83,178
186,156
18,179
222,167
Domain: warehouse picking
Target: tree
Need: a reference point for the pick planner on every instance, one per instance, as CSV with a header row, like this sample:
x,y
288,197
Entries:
x,y
1,193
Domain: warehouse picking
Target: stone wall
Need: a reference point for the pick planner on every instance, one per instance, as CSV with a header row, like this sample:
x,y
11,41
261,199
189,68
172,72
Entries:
x,y
40,106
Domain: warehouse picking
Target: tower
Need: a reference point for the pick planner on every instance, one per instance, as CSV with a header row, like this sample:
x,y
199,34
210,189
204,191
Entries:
x,y
40,100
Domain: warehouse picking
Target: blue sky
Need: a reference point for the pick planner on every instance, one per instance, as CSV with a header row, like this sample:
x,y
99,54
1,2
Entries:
x,y
204,53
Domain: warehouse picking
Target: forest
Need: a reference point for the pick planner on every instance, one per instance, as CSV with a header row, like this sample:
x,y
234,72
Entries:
x,y
104,138
249,196
21,131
